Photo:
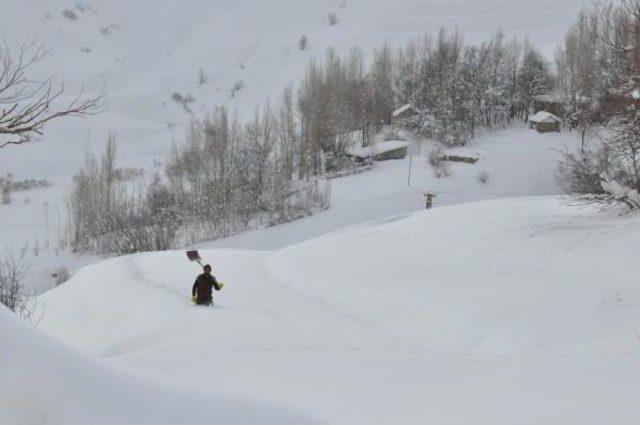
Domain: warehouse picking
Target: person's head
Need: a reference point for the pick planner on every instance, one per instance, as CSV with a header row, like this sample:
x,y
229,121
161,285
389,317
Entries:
x,y
207,268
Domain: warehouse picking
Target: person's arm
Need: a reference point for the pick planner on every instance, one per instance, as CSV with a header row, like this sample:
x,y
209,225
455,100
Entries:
x,y
193,289
216,284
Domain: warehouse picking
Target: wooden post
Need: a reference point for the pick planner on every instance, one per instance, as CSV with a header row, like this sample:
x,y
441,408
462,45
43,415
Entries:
x,y
410,163
429,199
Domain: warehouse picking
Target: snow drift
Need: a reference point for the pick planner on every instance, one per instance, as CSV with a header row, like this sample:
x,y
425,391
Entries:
x,y
496,277
522,310
43,381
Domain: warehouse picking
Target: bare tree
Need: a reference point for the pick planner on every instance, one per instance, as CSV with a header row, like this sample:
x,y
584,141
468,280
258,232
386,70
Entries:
x,y
27,105
12,291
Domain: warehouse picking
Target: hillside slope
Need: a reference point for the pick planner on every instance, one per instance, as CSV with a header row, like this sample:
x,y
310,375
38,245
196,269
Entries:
x,y
524,275
522,311
144,51
45,382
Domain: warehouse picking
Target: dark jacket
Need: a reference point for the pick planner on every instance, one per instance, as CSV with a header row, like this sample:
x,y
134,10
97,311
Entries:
x,y
202,288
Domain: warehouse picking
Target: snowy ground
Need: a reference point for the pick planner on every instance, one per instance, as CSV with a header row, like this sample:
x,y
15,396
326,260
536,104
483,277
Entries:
x,y
496,312
518,310
45,382
519,162
142,52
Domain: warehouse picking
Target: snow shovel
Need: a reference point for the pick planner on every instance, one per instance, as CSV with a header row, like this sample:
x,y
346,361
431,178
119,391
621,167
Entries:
x,y
194,256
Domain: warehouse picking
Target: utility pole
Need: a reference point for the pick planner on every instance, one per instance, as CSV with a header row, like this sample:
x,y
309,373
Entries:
x,y
410,163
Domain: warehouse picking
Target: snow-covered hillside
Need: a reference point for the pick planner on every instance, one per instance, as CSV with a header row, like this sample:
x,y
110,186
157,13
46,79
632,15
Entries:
x,y
517,162
45,382
496,312
142,52
502,305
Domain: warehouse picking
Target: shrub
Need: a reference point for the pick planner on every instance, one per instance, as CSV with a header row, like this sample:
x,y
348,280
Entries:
x,y
303,42
184,100
12,289
6,194
237,86
70,14
202,77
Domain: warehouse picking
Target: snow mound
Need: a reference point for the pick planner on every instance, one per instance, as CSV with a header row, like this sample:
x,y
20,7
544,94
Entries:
x,y
495,277
522,310
43,381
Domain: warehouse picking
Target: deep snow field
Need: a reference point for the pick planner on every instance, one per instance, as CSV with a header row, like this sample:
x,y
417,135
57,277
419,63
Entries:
x,y
503,305
494,312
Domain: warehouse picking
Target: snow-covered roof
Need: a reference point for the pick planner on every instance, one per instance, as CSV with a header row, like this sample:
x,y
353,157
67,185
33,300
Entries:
x,y
544,116
378,149
401,110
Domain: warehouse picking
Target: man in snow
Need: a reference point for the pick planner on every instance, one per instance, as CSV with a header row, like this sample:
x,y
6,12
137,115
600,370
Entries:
x,y
202,288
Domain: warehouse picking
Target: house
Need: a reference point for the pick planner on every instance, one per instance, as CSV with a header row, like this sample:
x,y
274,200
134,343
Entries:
x,y
381,151
545,122
403,113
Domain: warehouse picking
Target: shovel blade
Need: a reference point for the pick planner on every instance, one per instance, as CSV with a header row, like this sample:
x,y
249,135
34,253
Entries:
x,y
193,256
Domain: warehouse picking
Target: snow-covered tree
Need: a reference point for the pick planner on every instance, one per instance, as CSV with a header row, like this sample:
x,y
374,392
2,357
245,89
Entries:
x,y
534,77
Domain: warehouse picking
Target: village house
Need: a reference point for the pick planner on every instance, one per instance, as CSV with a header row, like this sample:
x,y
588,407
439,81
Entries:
x,y
380,151
545,122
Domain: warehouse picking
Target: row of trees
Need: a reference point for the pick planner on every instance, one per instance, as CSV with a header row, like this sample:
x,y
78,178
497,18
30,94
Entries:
x,y
599,53
599,75
226,177
229,176
457,87
111,210
232,176
463,87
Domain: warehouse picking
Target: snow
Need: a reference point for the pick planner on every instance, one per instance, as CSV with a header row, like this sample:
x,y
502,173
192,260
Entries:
x,y
402,109
635,94
155,48
521,310
519,163
543,116
44,381
516,310
378,148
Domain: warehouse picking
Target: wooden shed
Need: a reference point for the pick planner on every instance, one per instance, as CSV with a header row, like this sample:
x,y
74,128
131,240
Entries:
x,y
545,122
381,151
